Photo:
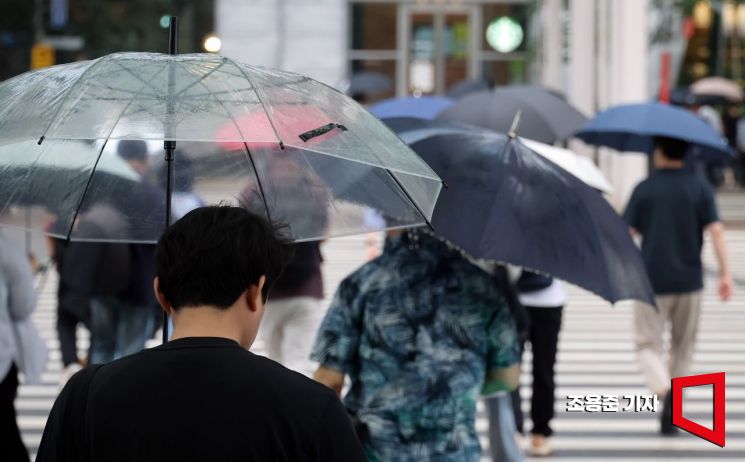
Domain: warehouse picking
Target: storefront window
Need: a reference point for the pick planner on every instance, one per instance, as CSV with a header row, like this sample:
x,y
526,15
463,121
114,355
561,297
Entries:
x,y
374,26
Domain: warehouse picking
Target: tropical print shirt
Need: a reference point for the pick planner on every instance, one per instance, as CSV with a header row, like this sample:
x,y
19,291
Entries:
x,y
417,329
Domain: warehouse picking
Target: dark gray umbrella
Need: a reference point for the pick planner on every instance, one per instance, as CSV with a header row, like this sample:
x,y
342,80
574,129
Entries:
x,y
466,87
547,117
505,202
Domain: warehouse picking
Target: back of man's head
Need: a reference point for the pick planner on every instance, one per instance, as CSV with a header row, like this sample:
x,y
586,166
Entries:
x,y
132,150
213,254
671,148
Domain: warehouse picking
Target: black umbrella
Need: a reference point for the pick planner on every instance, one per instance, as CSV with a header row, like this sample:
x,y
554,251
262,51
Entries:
x,y
507,203
547,117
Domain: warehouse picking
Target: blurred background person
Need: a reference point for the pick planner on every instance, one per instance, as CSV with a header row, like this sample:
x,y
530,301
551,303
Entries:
x,y
294,309
101,277
17,302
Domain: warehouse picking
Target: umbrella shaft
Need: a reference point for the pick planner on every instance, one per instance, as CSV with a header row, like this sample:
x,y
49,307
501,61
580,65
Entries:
x,y
169,147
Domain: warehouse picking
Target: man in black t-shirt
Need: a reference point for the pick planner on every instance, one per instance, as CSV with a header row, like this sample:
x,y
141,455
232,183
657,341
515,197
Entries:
x,y
203,396
670,211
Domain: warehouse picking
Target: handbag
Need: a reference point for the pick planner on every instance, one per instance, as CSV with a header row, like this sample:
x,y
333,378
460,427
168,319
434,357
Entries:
x,y
32,352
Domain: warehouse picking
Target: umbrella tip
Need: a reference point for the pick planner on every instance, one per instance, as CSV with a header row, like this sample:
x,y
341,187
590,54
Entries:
x,y
41,140
515,124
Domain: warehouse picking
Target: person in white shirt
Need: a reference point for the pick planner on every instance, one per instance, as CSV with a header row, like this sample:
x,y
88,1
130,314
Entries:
x,y
543,299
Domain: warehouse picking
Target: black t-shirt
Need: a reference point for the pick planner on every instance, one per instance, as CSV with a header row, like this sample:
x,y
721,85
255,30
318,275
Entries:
x,y
671,209
197,399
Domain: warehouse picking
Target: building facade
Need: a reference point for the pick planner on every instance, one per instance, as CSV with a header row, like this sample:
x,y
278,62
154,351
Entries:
x,y
596,52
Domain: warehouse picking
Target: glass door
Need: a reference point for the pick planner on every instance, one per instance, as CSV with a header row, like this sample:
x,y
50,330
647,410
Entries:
x,y
438,49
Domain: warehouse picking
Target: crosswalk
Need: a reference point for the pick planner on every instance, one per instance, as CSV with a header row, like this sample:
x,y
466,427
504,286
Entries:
x,y
595,357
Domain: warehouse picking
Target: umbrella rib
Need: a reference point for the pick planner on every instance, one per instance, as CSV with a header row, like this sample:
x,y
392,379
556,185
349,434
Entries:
x,y
258,182
261,101
199,80
93,171
227,111
408,196
137,77
67,94
85,191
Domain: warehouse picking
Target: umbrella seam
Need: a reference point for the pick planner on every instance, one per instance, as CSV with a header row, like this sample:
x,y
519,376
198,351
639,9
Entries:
x,y
258,182
398,170
227,111
200,80
85,190
98,159
69,90
261,101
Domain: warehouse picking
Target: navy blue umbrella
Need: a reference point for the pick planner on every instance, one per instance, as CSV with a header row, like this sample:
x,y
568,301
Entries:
x,y
507,203
632,127
425,107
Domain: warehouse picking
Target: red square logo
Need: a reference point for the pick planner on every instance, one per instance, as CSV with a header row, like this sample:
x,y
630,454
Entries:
x,y
714,435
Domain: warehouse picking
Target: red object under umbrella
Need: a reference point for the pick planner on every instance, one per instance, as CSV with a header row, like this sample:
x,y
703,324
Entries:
x,y
287,124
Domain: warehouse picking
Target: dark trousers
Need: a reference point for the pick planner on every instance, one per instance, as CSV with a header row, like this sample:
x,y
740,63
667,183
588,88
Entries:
x,y
543,335
67,326
11,444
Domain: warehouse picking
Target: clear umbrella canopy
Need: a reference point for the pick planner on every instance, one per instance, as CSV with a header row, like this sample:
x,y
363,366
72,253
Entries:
x,y
285,145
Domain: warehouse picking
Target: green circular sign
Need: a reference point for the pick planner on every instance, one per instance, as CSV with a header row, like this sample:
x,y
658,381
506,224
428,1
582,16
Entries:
x,y
504,34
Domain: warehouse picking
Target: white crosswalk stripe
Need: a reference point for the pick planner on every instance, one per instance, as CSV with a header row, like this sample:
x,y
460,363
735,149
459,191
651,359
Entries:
x,y
595,356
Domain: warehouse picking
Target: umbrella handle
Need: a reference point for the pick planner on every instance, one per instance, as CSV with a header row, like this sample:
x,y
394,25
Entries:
x,y
321,131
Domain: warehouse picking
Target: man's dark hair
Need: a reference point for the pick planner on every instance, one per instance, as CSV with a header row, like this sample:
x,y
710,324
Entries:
x,y
132,150
212,254
672,148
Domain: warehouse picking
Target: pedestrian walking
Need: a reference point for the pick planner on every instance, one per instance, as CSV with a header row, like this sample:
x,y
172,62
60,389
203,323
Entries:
x,y
670,211
203,395
294,310
542,297
17,302
422,333
101,276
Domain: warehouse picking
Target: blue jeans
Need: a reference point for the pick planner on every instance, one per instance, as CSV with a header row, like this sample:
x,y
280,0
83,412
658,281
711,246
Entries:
x,y
118,328
502,429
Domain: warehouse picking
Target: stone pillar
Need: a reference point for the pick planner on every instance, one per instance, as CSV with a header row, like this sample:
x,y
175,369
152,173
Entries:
x,y
581,79
552,66
628,44
304,36
248,30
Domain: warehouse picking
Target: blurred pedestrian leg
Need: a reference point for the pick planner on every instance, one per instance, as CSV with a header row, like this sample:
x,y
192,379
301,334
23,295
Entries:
x,y
66,328
682,312
289,328
11,444
503,432
117,328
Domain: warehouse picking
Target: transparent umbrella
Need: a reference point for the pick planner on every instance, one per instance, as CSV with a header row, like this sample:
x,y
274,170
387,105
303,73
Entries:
x,y
63,129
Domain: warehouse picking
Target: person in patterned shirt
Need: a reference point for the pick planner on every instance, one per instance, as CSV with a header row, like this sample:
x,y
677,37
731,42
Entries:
x,y
423,333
